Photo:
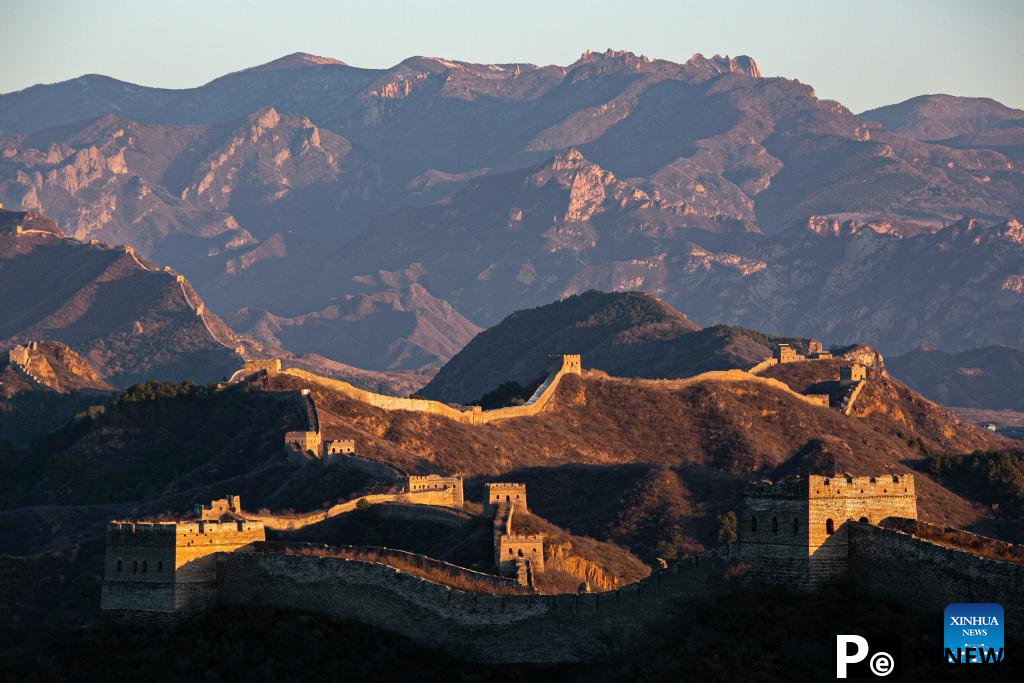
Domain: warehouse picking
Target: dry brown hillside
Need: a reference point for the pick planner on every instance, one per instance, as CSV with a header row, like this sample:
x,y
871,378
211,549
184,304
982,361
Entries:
x,y
668,453
129,319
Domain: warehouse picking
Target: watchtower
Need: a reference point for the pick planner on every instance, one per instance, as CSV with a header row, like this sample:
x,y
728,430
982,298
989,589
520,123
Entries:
x,y
795,531
449,488
814,347
851,374
168,566
231,505
301,444
340,446
271,367
785,353
505,492
570,364
515,548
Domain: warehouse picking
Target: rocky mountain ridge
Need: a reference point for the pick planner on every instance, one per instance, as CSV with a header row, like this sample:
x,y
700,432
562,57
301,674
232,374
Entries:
x,y
284,187
988,377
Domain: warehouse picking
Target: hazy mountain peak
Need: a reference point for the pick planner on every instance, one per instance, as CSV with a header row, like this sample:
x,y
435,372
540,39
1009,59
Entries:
x,y
742,64
296,60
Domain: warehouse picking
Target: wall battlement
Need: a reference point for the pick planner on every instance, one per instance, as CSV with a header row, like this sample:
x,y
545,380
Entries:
x,y
168,567
795,531
566,365
218,508
343,446
820,486
883,563
512,493
449,487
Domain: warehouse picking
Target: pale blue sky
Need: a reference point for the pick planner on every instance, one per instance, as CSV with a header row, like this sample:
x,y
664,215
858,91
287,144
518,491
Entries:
x,y
863,53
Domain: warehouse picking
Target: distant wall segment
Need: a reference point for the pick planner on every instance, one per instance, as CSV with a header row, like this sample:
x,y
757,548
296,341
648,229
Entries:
x,y
570,365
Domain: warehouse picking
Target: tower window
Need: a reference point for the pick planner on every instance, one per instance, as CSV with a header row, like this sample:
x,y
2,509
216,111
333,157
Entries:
x,y
753,523
863,520
159,566
145,566
119,563
830,526
775,525
135,566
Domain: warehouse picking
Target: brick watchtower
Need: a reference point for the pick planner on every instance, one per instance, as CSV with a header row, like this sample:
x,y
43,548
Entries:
x,y
794,531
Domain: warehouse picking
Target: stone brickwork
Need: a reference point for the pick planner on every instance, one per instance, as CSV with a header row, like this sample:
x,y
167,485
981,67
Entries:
x,y
819,399
850,397
525,548
450,488
785,536
251,367
896,566
19,355
168,566
495,628
785,353
303,445
569,364
560,366
850,374
340,446
512,493
232,505
795,531
520,555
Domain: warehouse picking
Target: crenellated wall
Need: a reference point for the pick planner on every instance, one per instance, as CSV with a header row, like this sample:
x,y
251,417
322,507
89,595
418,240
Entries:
x,y
795,531
893,565
168,566
495,628
474,415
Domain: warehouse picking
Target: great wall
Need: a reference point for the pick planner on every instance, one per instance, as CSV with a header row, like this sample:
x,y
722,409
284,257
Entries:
x,y
803,533
190,296
20,358
867,546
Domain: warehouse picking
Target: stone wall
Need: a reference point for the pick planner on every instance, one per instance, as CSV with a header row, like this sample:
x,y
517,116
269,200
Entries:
x,y
339,446
841,498
168,567
440,498
505,492
763,365
795,532
374,468
853,391
495,628
303,443
450,487
472,415
892,565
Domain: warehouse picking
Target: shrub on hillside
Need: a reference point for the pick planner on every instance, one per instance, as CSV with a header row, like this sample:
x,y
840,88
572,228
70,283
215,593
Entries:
x,y
995,477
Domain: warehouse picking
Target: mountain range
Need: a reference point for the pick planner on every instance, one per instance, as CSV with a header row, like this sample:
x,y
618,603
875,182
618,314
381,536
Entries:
x,y
295,192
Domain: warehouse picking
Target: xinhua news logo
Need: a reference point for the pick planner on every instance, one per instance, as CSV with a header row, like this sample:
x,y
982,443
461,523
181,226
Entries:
x,y
870,657
973,633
